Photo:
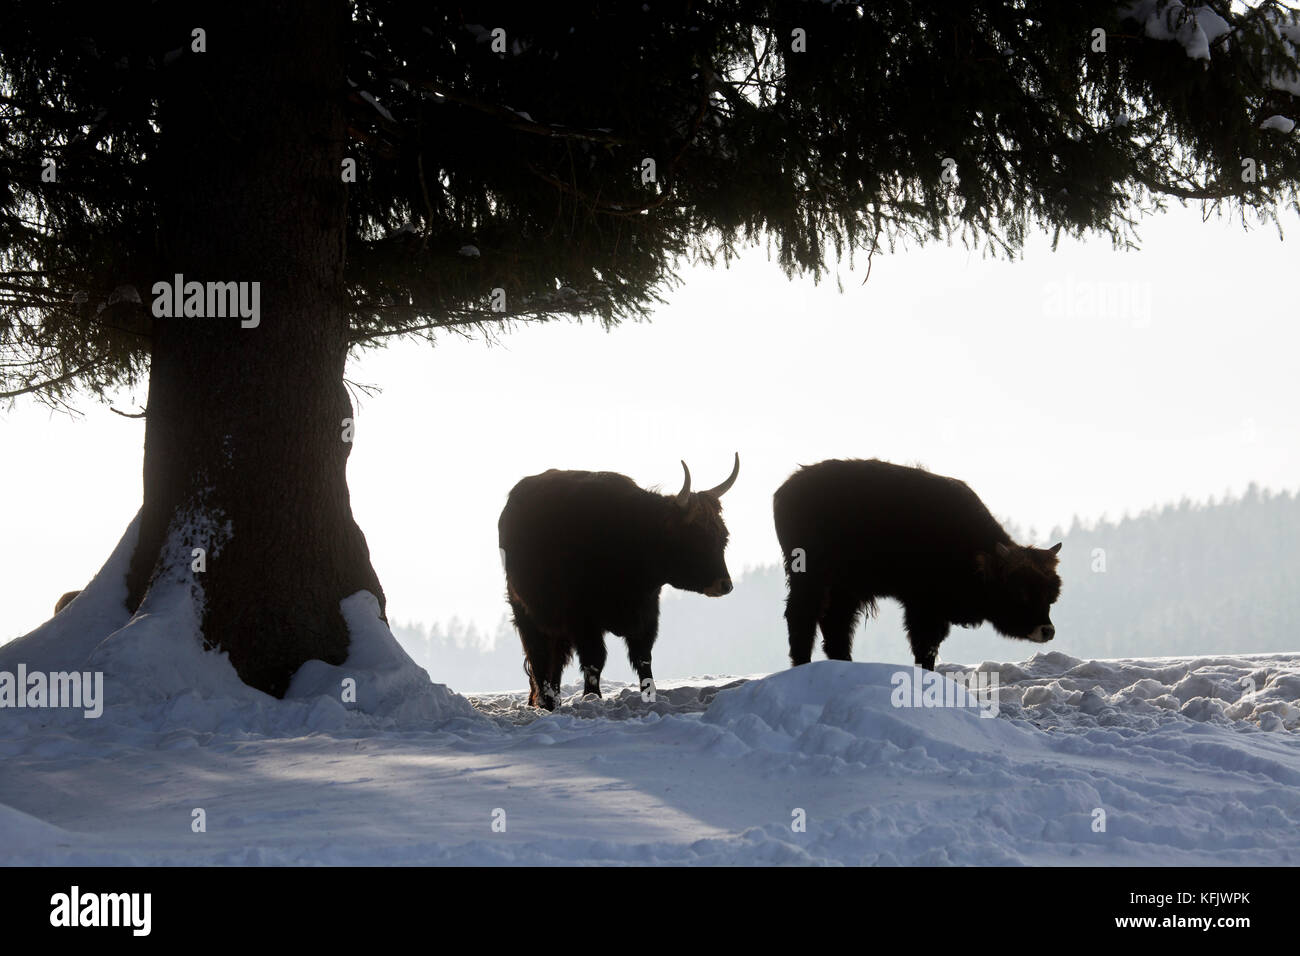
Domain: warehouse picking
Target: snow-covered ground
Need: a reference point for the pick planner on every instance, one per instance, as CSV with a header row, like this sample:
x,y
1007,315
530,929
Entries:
x,y
1171,761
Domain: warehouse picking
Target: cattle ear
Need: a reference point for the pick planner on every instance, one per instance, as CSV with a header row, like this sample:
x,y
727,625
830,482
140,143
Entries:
x,y
1055,548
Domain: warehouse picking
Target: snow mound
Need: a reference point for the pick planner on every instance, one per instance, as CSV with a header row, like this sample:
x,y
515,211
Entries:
x,y
158,676
389,685
67,639
1243,692
849,711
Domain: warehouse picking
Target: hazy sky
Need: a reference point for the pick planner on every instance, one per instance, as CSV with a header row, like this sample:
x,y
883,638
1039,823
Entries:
x,y
1084,381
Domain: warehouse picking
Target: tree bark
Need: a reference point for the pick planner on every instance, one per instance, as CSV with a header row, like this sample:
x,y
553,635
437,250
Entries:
x,y
245,428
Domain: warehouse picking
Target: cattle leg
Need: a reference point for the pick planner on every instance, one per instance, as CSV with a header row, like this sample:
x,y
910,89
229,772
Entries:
x,y
549,687
538,654
925,633
639,648
839,621
591,656
802,609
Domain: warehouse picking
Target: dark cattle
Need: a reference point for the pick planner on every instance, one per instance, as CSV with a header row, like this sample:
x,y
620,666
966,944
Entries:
x,y
588,552
65,601
855,531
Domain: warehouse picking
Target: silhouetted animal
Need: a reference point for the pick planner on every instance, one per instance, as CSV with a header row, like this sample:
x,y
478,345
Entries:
x,y
64,601
588,552
855,531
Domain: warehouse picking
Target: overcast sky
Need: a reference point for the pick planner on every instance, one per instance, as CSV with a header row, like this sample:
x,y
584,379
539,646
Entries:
x,y
1082,382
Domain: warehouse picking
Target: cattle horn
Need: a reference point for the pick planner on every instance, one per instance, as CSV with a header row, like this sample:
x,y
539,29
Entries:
x,y
723,488
684,495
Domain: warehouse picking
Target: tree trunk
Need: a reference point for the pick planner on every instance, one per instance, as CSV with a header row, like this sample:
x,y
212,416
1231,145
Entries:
x,y
244,443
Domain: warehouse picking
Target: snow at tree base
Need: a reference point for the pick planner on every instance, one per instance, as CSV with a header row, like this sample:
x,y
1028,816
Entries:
x,y
1165,761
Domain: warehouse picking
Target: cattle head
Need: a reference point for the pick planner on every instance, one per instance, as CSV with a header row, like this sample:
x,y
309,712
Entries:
x,y
1020,585
697,537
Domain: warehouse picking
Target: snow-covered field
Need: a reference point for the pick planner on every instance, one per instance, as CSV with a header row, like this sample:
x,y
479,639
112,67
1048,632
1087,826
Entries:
x,y
1187,761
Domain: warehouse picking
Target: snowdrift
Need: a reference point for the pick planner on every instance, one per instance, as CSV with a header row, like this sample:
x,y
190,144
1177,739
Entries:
x,y
158,675
1170,761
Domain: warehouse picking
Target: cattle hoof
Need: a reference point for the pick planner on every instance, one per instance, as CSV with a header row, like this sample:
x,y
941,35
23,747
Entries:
x,y
550,696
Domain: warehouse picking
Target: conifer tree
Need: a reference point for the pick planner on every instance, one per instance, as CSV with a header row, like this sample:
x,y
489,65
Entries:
x,y
383,169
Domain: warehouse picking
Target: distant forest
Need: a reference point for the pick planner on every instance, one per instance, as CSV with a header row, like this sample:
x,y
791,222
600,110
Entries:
x,y
1218,577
